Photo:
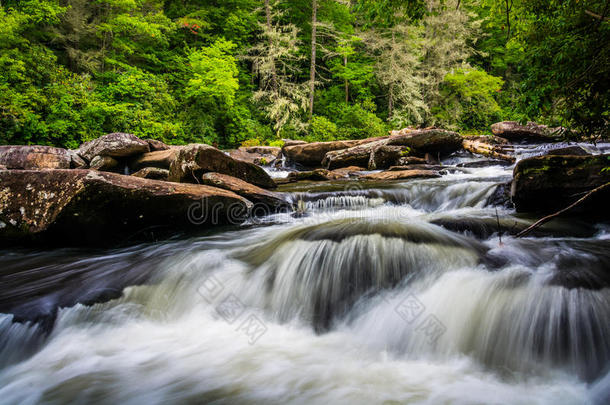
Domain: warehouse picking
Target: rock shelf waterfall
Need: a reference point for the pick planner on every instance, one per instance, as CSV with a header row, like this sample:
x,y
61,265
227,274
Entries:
x,y
378,294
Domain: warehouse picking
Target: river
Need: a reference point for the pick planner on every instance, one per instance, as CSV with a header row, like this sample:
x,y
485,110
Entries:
x,y
363,299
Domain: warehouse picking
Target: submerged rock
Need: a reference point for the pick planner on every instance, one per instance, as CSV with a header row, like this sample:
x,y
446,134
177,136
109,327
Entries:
x,y
252,193
35,157
85,206
569,150
116,145
548,183
194,160
514,131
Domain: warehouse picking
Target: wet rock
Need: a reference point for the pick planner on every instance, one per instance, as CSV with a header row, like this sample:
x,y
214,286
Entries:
x,y
492,146
156,145
315,175
312,154
160,159
434,141
255,194
545,184
569,150
410,160
500,197
402,175
86,206
485,163
194,160
35,157
350,171
513,131
116,145
153,173
104,163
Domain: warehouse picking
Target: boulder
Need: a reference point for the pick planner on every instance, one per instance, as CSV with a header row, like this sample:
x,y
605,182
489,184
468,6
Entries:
x,y
116,145
255,194
513,131
545,184
491,146
410,160
104,163
194,160
315,175
86,206
156,145
569,150
312,154
292,142
434,141
259,155
373,155
350,171
2,167
485,163
161,159
402,175
153,173
35,157
77,162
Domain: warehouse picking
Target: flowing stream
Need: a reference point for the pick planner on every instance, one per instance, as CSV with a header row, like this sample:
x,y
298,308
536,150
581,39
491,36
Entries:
x,y
381,293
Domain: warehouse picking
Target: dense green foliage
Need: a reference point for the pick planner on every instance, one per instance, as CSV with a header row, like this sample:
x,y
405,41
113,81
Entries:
x,y
224,72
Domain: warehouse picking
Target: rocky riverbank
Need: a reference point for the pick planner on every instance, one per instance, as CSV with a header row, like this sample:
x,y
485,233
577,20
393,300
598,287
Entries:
x,y
119,184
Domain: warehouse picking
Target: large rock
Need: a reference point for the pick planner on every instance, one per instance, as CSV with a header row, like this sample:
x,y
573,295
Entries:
x,y
35,157
574,150
513,131
255,194
156,145
104,163
545,184
434,141
491,146
86,206
315,175
194,160
116,145
260,155
402,175
373,155
161,159
312,154
153,173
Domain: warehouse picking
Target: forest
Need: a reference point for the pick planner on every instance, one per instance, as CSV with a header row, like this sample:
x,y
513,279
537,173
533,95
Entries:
x,y
250,72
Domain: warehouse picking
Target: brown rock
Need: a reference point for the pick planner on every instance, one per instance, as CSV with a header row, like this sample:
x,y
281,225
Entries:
x,y
194,160
350,171
410,160
86,206
161,159
491,146
255,194
569,150
77,162
115,145
35,157
315,175
292,142
545,184
153,173
402,175
260,155
156,145
513,131
434,141
312,154
104,163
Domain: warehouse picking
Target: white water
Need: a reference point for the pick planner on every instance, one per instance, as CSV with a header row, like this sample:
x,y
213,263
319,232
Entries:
x,y
364,301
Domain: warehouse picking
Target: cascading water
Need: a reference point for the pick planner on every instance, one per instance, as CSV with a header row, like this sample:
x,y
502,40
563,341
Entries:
x,y
372,296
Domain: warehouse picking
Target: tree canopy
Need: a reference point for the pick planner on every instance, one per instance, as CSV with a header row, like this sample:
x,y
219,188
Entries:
x,y
234,71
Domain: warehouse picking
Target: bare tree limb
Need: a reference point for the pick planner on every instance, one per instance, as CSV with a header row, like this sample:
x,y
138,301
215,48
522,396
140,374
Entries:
x,y
546,219
599,17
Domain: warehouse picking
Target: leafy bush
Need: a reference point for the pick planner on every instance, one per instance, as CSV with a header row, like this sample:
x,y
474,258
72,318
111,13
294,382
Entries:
x,y
355,122
321,129
469,100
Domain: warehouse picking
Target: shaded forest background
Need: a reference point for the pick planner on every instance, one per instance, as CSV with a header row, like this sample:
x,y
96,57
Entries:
x,y
255,71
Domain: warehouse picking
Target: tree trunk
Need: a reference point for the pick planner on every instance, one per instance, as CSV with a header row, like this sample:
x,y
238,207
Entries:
x,y
312,71
346,82
391,90
273,71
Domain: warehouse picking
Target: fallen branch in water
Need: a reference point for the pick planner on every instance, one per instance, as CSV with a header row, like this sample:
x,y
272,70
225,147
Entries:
x,y
546,219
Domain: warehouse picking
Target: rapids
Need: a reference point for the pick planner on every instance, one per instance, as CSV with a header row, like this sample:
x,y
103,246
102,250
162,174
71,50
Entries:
x,y
390,293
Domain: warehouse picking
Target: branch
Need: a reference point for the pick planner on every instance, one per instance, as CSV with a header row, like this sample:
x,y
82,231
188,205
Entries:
x,y
599,17
549,217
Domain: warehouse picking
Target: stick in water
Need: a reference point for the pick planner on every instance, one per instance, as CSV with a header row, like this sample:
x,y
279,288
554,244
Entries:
x,y
549,217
